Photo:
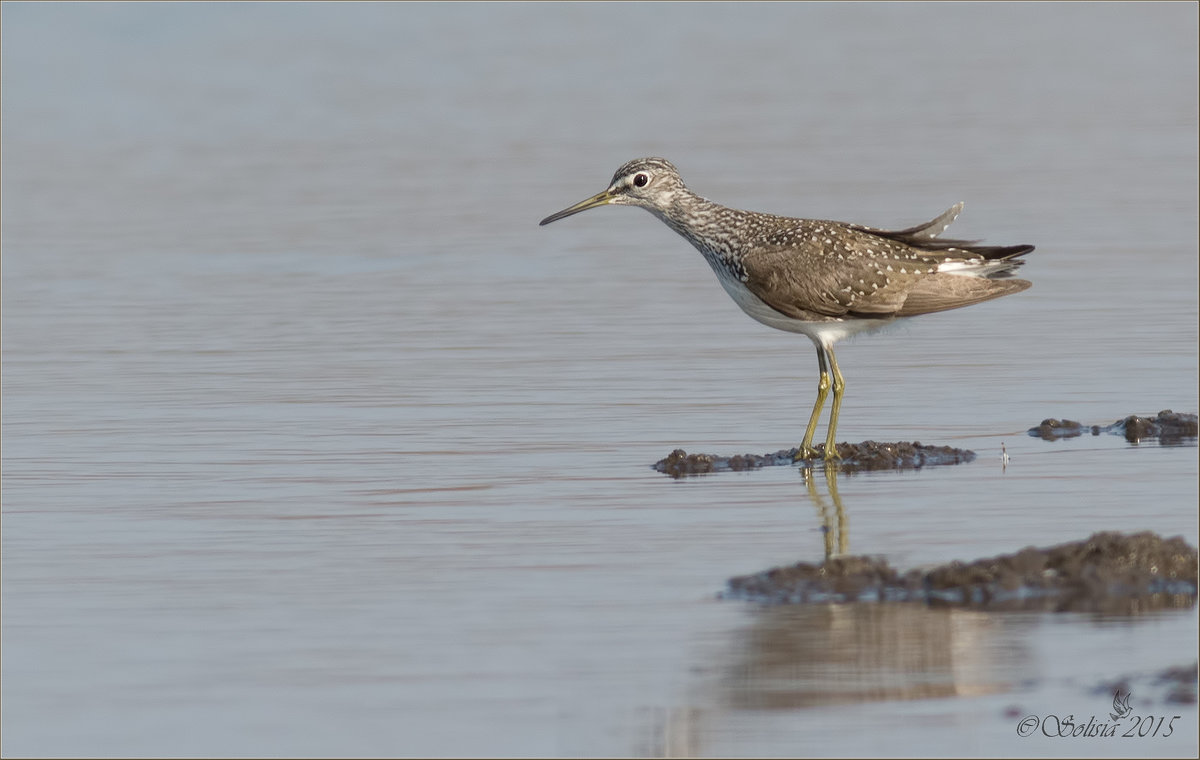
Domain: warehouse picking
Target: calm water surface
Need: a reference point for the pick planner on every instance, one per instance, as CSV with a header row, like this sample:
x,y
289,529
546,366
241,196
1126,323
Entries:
x,y
315,444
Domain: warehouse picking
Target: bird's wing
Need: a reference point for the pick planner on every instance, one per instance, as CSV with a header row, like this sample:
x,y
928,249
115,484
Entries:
x,y
942,292
860,274
855,274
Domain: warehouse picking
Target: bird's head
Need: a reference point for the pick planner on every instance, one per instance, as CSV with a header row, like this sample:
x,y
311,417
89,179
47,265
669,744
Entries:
x,y
651,183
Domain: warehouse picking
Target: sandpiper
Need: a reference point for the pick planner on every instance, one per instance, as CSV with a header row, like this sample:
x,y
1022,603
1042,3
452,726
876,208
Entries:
x,y
823,279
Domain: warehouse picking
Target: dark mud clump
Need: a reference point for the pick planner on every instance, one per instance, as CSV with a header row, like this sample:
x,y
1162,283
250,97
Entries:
x,y
855,457
1170,428
840,579
870,455
1109,572
1052,429
679,463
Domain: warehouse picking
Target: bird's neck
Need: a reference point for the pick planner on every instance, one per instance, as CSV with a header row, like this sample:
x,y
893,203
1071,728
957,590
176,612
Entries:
x,y
709,226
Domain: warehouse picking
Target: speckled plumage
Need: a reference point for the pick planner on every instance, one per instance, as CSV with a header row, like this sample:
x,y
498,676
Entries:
x,y
821,278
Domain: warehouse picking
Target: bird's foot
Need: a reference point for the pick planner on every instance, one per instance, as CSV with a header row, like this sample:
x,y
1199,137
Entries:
x,y
831,453
805,453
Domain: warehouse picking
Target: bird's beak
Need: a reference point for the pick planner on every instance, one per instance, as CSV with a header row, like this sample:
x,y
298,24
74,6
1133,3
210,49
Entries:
x,y
599,199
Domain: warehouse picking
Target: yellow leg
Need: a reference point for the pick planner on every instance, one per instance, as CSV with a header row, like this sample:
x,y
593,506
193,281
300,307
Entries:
x,y
806,450
839,386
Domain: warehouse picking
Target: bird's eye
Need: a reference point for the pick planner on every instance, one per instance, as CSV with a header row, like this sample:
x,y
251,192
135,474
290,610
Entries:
x,y
640,180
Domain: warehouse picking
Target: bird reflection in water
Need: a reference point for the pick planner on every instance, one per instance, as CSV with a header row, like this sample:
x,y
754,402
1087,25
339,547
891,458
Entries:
x,y
833,519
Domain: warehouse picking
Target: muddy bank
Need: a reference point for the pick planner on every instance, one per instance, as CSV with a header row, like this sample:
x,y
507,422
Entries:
x,y
1109,572
1170,428
855,457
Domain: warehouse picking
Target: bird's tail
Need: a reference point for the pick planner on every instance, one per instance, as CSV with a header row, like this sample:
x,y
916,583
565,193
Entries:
x,y
924,237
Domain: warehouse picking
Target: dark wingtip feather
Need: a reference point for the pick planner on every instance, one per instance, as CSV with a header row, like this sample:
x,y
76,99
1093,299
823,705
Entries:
x,y
989,252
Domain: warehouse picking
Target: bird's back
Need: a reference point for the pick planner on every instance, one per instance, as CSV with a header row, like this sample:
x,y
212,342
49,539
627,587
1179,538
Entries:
x,y
821,270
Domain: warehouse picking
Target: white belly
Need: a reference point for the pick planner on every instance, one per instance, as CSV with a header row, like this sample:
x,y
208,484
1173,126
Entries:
x,y
821,333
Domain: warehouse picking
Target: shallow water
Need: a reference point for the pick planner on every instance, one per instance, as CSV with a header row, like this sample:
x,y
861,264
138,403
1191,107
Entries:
x,y
315,443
